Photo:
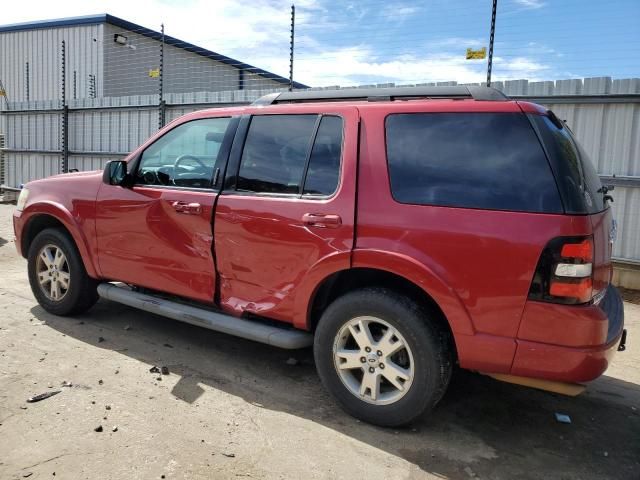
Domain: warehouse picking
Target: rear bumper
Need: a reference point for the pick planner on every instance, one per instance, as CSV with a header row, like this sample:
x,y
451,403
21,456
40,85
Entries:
x,y
565,361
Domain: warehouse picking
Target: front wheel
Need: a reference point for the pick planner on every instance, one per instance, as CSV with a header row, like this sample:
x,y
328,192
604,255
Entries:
x,y
382,356
57,275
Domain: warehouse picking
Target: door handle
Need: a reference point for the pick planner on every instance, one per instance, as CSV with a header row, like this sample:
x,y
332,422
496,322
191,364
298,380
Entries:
x,y
188,208
321,220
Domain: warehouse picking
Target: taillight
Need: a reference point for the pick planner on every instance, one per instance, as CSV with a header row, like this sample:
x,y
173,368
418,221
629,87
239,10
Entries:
x,y
565,271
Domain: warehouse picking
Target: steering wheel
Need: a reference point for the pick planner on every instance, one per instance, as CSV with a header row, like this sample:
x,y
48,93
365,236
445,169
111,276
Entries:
x,y
182,158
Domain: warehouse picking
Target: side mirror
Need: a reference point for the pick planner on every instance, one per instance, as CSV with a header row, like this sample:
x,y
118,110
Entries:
x,y
115,172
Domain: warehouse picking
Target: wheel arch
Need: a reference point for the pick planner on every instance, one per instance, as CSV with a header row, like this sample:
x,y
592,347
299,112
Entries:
x,y
50,216
357,277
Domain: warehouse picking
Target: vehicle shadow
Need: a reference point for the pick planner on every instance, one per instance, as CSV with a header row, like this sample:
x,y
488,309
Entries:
x,y
482,427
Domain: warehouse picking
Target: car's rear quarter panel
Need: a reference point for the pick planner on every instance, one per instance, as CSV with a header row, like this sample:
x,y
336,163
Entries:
x,y
476,264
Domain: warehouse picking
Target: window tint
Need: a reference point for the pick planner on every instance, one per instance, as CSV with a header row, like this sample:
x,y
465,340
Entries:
x,y
474,160
324,164
184,156
577,179
275,153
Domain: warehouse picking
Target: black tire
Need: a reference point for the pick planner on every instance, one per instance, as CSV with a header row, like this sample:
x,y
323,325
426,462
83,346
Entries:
x,y
81,294
429,344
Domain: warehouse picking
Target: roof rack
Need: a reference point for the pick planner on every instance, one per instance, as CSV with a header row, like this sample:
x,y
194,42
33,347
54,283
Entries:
x,y
382,94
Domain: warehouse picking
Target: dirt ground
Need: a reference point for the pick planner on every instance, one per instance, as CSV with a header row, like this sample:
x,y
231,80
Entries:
x,y
231,408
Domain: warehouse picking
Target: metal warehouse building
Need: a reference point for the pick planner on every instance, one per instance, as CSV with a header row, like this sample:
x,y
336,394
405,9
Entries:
x,y
107,56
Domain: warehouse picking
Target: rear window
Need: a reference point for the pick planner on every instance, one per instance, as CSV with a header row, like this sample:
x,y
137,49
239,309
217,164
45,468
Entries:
x,y
578,181
472,160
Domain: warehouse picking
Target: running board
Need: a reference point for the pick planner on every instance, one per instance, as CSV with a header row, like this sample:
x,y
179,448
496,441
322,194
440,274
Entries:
x,y
258,332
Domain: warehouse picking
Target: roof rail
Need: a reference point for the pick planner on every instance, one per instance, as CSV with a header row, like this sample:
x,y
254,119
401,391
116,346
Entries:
x,y
382,94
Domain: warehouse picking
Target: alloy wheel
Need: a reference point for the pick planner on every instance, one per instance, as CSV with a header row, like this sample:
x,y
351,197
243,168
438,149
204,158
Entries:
x,y
373,360
52,269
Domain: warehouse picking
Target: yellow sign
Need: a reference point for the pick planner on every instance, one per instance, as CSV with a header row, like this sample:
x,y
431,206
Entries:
x,y
476,54
3,93
154,73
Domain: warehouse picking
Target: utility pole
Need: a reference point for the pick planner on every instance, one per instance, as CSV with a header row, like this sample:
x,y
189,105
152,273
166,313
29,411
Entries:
x,y
64,131
491,36
291,43
161,113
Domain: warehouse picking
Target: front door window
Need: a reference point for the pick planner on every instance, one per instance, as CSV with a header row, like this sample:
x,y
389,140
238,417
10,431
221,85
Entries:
x,y
186,156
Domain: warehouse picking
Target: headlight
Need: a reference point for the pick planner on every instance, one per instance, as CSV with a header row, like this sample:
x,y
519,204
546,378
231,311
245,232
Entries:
x,y
22,199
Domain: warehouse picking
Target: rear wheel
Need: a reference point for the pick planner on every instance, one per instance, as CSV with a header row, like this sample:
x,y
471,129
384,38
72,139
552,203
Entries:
x,y
57,275
382,356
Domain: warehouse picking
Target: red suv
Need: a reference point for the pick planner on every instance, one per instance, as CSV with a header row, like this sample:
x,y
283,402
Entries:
x,y
399,231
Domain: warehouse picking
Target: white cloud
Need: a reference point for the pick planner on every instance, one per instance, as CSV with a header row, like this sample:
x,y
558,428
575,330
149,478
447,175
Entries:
x,y
530,3
358,65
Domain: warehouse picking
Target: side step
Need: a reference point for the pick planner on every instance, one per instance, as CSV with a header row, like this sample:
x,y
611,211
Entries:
x,y
258,332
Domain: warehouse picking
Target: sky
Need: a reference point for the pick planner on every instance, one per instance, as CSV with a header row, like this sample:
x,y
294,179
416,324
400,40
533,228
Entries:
x,y
404,42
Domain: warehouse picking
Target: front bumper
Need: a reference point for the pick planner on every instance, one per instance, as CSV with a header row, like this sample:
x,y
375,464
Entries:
x,y
17,230
572,359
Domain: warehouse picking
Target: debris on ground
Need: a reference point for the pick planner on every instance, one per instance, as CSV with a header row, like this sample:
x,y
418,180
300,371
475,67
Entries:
x,y
66,384
154,369
127,327
230,455
98,428
168,345
165,370
606,454
159,379
42,396
27,475
100,382
100,339
563,418
115,428
470,472
117,372
292,361
107,407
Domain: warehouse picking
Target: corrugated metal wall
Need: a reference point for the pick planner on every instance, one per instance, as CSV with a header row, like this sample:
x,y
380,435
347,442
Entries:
x,y
127,71
105,128
41,48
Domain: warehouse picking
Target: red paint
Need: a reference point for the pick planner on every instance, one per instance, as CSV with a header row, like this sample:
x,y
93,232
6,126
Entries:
x,y
144,240
267,246
559,362
573,326
272,253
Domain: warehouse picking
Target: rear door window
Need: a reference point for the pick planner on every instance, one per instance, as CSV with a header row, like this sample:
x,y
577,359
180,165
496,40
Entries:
x,y
324,165
275,153
291,154
472,160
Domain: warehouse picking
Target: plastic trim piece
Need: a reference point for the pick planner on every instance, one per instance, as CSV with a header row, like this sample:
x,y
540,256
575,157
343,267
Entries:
x,y
251,330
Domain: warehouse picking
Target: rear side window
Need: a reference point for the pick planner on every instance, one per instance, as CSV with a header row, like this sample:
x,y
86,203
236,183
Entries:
x,y
472,160
578,181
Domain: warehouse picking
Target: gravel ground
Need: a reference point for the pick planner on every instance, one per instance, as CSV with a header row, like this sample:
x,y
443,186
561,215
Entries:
x,y
230,408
